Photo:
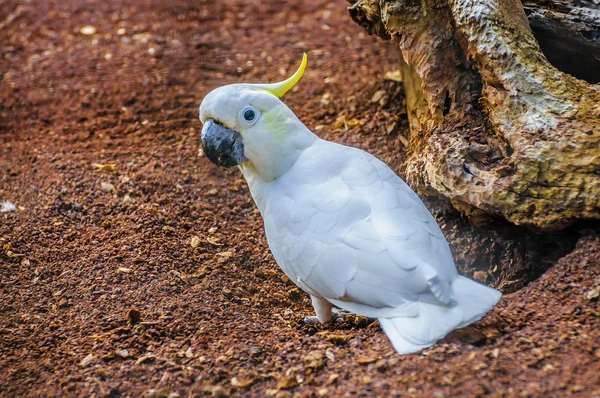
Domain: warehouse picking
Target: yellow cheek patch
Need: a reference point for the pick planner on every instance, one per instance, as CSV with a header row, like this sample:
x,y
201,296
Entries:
x,y
275,122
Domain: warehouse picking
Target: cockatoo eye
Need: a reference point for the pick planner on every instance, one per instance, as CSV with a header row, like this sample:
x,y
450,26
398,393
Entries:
x,y
249,115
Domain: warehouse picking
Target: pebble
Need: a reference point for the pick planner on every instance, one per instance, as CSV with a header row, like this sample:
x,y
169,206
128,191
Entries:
x,y
88,30
87,360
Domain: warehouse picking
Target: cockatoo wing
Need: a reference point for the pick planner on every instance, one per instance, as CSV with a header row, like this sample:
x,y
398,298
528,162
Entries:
x,y
346,228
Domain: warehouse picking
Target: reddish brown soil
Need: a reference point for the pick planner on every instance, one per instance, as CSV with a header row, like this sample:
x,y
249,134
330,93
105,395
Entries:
x,y
102,293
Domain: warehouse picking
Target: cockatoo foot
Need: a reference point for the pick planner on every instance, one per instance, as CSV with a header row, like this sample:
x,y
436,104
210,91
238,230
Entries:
x,y
314,320
311,320
322,308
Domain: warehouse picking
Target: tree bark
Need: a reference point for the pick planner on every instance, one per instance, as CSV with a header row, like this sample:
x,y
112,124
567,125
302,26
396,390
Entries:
x,y
494,126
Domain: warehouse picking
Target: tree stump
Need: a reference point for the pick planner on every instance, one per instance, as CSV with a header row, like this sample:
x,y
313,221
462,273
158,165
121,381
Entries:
x,y
495,127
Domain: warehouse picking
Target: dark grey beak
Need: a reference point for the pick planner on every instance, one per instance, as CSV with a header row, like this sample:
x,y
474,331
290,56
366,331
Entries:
x,y
222,146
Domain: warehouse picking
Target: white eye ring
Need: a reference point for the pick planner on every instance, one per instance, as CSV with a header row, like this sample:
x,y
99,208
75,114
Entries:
x,y
249,115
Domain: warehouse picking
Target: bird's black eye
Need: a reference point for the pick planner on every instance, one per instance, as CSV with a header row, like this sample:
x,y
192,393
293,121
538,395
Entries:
x,y
249,115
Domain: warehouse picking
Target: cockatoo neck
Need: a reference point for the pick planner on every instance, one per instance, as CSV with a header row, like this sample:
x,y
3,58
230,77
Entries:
x,y
260,175
276,153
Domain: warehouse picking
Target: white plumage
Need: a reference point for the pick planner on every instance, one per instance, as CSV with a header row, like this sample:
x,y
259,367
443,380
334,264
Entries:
x,y
346,229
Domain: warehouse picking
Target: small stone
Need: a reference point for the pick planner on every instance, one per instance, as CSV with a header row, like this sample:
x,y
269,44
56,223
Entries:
x,y
333,378
189,353
123,353
378,96
593,293
314,360
123,270
479,366
213,241
85,362
107,187
195,241
480,276
87,30
225,255
7,207
145,359
287,382
390,127
366,360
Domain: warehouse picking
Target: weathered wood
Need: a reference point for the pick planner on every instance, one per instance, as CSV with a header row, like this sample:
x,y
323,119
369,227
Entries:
x,y
495,127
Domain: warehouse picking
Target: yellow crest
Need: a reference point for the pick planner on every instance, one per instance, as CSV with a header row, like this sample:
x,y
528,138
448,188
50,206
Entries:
x,y
279,89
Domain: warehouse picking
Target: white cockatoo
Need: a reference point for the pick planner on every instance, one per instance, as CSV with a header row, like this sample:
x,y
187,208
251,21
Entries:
x,y
340,223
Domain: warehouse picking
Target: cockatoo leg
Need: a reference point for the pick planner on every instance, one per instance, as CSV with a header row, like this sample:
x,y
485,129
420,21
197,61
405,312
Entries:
x,y
322,308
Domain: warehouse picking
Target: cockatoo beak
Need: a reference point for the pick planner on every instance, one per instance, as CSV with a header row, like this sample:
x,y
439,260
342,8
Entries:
x,y
222,146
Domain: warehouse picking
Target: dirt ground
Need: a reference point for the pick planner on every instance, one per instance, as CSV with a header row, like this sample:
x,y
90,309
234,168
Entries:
x,y
155,279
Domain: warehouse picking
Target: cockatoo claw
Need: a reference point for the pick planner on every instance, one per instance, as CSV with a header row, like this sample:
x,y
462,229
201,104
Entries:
x,y
311,320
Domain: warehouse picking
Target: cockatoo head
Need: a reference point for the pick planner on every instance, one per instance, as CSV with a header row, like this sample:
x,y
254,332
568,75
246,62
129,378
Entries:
x,y
248,124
